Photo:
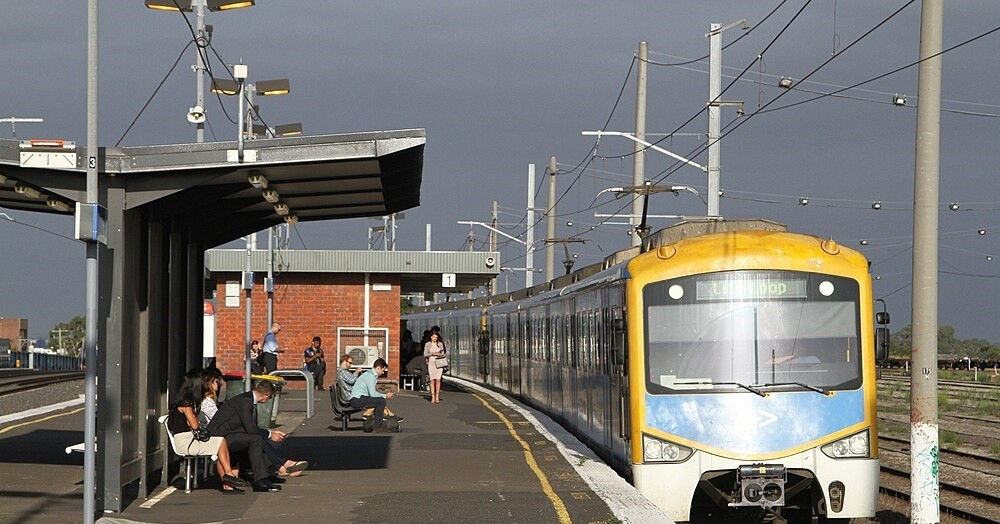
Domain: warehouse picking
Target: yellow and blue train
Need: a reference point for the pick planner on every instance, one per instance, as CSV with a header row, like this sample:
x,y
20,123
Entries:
x,y
728,368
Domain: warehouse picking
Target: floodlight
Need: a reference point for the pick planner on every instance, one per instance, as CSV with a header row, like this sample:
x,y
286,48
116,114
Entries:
x,y
225,5
288,129
58,205
864,242
877,204
257,181
803,201
291,220
271,196
785,83
899,100
225,87
953,206
169,5
280,86
26,190
281,209
982,231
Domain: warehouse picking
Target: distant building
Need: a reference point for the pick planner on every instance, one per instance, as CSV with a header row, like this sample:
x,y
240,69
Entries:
x,y
13,332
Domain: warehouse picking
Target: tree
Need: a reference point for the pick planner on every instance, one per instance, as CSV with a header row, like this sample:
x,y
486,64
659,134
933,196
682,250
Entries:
x,y
67,337
901,344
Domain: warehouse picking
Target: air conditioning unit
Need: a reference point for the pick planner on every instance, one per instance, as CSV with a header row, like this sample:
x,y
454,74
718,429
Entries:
x,y
364,356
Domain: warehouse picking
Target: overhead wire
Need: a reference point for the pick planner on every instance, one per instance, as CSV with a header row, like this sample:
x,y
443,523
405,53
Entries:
x,y
155,91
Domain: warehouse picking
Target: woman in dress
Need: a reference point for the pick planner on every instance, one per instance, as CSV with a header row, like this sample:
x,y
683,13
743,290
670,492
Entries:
x,y
432,349
183,419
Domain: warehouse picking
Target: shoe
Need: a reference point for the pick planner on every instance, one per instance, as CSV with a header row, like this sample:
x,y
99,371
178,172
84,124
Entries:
x,y
231,491
300,465
234,482
275,479
399,419
265,485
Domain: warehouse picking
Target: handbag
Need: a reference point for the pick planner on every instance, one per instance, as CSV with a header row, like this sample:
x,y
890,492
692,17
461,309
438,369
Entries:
x,y
201,434
441,362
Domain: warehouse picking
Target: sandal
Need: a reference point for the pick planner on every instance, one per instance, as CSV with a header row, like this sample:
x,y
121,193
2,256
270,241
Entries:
x,y
298,467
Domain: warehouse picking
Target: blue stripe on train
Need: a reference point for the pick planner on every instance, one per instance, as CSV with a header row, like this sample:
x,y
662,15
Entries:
x,y
746,423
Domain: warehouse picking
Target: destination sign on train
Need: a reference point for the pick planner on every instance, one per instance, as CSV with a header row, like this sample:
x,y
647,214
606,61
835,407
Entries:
x,y
751,289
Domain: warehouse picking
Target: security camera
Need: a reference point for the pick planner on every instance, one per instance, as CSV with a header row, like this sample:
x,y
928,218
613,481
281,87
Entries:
x,y
196,115
490,261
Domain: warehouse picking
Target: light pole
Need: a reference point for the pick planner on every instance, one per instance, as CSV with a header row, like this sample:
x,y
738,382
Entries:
x,y
202,38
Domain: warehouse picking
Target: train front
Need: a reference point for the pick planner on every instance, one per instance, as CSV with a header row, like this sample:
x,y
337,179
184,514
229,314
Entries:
x,y
753,381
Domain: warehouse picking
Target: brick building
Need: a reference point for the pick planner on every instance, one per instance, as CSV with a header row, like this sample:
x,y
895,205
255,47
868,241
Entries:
x,y
15,330
349,298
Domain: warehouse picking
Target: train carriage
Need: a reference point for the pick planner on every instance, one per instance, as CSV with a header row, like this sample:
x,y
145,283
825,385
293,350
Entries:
x,y
732,371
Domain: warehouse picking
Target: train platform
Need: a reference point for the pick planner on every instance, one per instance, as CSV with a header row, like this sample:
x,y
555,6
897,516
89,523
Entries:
x,y
476,457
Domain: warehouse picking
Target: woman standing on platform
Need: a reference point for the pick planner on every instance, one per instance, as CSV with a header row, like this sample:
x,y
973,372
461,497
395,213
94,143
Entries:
x,y
183,423
432,349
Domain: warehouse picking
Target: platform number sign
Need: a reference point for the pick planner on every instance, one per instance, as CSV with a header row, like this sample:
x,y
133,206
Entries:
x,y
447,280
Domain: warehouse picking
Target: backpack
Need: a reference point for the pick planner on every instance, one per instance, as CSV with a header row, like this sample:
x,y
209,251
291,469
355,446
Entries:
x,y
391,422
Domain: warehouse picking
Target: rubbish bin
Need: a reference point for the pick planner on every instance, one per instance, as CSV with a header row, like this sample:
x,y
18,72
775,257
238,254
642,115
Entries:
x,y
234,385
267,412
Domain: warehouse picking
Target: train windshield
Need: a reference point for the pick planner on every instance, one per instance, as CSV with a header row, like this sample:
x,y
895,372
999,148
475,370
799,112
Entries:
x,y
754,331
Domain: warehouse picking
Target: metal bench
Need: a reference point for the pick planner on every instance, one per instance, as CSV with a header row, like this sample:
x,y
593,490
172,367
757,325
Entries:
x,y
342,407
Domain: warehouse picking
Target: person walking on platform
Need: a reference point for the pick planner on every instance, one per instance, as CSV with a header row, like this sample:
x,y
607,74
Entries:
x,y
365,394
315,362
183,422
269,352
432,349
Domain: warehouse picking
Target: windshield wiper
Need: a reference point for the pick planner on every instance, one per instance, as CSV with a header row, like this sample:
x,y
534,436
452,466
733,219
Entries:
x,y
800,384
751,389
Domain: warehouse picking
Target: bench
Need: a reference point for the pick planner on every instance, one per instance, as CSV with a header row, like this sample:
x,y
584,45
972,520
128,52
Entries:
x,y
410,382
342,407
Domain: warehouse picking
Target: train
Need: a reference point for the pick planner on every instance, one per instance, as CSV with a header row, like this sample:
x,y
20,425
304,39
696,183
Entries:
x,y
725,368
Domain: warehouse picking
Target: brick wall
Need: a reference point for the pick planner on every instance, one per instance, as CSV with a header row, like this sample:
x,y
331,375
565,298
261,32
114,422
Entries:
x,y
306,305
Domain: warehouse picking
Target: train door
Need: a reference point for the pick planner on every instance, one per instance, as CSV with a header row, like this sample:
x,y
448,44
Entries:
x,y
617,362
483,351
527,355
555,360
571,400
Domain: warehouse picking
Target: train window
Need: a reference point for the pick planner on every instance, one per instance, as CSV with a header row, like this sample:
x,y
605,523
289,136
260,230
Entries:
x,y
755,328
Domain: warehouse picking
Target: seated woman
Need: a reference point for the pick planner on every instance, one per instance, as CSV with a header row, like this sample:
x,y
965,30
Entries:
x,y
183,419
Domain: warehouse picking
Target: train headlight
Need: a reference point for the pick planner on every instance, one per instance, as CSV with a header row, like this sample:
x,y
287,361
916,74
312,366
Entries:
x,y
656,450
854,446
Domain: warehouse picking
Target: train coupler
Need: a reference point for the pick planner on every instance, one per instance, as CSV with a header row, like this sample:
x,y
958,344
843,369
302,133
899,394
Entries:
x,y
760,485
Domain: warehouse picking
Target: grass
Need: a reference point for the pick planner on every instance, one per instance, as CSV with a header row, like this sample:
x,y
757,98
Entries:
x,y
949,439
894,429
995,449
988,407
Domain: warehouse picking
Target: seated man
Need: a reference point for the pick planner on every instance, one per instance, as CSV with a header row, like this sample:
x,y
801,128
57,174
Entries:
x,y
364,394
418,366
236,420
346,377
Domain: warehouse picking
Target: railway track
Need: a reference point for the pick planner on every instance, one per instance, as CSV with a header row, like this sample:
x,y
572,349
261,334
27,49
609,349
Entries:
x,y
968,481
26,380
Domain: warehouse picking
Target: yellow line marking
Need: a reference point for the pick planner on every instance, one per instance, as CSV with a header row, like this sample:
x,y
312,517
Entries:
x,y
557,503
15,426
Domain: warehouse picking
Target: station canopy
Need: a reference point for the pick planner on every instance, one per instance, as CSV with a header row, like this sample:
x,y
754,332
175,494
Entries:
x,y
219,193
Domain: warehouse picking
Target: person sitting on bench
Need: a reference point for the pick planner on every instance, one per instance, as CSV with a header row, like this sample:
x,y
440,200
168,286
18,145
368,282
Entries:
x,y
364,394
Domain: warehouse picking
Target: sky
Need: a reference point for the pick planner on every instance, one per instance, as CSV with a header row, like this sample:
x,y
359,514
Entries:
x,y
501,85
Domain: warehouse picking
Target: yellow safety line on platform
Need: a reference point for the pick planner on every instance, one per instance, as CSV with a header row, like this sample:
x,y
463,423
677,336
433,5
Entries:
x,y
15,426
557,503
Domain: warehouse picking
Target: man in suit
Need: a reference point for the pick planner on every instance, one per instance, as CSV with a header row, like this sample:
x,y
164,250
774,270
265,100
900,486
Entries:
x,y
236,420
